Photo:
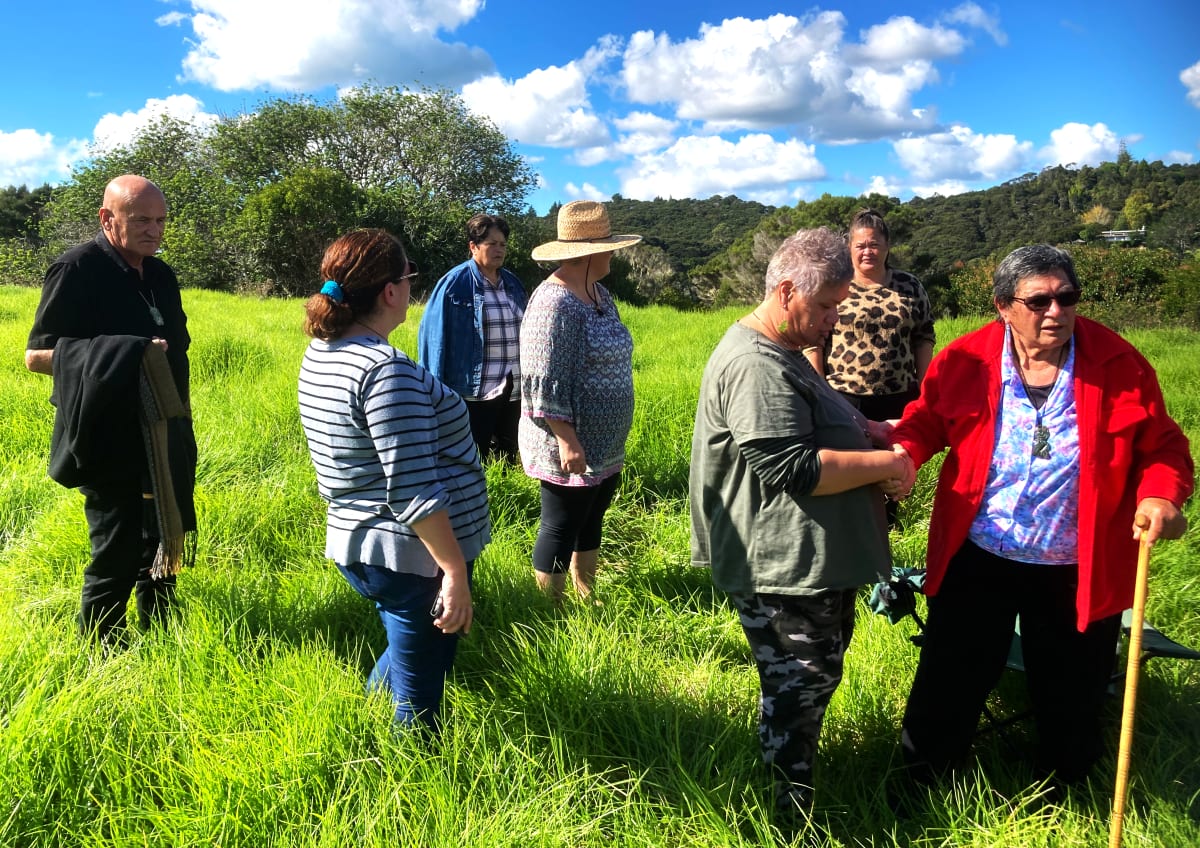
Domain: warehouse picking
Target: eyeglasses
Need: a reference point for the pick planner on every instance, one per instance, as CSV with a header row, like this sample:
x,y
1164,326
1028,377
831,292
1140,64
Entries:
x,y
1041,302
411,272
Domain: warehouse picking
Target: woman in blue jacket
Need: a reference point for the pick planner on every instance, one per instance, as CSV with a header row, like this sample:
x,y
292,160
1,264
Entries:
x,y
469,337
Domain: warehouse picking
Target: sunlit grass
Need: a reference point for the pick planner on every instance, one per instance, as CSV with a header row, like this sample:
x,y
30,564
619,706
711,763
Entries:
x,y
244,723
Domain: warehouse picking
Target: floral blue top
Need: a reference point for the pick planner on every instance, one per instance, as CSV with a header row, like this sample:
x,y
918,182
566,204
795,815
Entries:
x,y
1030,509
576,366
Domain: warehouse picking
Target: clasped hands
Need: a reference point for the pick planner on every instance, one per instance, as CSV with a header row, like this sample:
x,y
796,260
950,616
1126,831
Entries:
x,y
898,486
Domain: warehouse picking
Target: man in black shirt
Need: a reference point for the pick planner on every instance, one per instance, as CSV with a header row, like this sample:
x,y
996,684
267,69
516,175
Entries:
x,y
114,286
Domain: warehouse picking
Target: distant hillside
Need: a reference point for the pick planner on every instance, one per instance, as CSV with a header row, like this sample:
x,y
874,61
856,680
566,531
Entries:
x,y
932,236
690,232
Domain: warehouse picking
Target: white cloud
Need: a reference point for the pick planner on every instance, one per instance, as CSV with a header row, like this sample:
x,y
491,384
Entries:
x,y
113,130
587,191
971,15
589,156
798,72
1179,157
644,132
1190,77
902,40
30,158
882,185
171,19
1081,144
548,106
962,154
302,45
945,188
755,166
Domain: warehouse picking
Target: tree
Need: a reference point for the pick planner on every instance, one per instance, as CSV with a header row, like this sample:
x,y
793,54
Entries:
x,y
1137,209
257,193
21,210
293,220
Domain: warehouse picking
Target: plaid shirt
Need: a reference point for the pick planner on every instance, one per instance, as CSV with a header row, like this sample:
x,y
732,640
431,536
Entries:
x,y
501,339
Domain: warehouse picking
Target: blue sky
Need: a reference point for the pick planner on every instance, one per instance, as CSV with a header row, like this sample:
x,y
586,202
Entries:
x,y
770,101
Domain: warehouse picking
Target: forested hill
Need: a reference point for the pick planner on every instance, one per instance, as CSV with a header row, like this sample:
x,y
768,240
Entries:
x,y
247,217
715,250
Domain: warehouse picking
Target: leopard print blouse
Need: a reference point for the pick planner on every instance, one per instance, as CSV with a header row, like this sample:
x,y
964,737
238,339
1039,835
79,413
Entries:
x,y
871,351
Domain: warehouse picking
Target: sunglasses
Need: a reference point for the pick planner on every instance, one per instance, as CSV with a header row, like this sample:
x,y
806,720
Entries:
x,y
411,272
1041,302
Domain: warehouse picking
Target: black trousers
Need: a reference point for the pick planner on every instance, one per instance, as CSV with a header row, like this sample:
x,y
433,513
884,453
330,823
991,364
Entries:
x,y
494,424
572,520
966,645
124,536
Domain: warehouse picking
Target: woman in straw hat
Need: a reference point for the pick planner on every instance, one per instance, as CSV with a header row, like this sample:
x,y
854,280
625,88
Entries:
x,y
576,395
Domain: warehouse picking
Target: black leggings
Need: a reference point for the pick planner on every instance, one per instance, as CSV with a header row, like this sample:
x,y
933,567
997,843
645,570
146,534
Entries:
x,y
572,518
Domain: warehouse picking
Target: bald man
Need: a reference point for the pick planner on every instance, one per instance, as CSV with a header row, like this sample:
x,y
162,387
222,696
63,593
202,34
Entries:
x,y
115,287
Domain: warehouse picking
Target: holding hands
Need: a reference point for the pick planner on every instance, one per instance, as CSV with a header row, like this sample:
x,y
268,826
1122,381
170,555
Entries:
x,y
899,485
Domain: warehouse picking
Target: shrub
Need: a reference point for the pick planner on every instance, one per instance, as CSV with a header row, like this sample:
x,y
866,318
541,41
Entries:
x,y
21,264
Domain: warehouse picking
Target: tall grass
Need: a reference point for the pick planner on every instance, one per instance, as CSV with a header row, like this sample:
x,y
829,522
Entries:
x,y
244,723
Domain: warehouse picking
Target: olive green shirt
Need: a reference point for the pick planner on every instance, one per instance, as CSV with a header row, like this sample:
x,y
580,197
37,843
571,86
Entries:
x,y
763,415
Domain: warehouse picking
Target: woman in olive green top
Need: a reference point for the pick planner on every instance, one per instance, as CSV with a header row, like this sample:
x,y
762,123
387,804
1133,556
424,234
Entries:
x,y
787,500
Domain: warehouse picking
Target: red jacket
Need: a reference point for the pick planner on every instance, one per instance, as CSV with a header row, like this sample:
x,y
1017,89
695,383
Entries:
x,y
1129,449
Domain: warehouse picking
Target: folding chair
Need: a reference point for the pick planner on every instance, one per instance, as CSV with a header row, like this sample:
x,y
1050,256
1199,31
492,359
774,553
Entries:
x,y
896,599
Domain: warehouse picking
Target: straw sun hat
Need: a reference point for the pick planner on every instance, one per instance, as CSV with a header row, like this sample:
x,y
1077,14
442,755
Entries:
x,y
583,229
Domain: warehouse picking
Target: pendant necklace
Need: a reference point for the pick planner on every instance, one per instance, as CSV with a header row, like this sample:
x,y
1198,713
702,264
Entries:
x,y
1041,433
152,305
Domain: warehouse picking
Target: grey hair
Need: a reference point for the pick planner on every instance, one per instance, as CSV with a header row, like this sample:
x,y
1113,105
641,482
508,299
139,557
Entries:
x,y
1030,261
812,260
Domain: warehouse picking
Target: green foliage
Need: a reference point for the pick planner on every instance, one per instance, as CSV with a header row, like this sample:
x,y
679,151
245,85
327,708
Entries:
x,y
20,211
22,264
1122,287
293,220
255,198
1181,293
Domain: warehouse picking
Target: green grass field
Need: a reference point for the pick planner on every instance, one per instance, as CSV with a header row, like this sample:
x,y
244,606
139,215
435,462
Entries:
x,y
244,722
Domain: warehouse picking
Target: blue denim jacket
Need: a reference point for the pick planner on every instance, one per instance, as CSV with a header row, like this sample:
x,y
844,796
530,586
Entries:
x,y
450,337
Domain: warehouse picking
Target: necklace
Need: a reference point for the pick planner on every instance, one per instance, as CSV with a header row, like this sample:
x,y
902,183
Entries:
x,y
152,305
776,336
1041,433
362,323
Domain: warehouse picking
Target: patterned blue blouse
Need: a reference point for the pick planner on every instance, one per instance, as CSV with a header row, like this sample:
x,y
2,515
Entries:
x,y
1030,509
576,366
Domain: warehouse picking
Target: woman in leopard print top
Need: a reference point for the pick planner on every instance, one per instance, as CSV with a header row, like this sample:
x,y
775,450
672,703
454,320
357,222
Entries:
x,y
883,342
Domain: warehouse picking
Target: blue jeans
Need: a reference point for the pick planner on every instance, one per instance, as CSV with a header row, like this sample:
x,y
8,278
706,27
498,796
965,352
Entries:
x,y
418,656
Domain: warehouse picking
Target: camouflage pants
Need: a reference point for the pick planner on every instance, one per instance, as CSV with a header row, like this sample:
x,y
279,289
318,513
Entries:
x,y
799,644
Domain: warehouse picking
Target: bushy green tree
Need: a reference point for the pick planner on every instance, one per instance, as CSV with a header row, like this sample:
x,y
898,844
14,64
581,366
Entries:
x,y
292,220
21,210
252,197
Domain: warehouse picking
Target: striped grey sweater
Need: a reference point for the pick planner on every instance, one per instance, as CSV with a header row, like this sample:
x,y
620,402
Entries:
x,y
391,445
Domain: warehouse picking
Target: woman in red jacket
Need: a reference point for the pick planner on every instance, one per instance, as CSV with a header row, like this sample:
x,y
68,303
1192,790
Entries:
x,y
1059,444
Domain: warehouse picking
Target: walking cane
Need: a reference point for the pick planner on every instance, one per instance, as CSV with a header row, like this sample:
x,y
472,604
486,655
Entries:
x,y
1132,669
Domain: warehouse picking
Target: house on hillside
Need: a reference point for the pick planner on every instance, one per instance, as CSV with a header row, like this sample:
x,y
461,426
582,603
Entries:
x,y
1114,236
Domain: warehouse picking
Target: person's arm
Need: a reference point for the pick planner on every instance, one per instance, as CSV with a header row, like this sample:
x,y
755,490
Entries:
x,y
1162,519
431,331
570,452
402,418
816,358
924,355
436,533
40,361
842,470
